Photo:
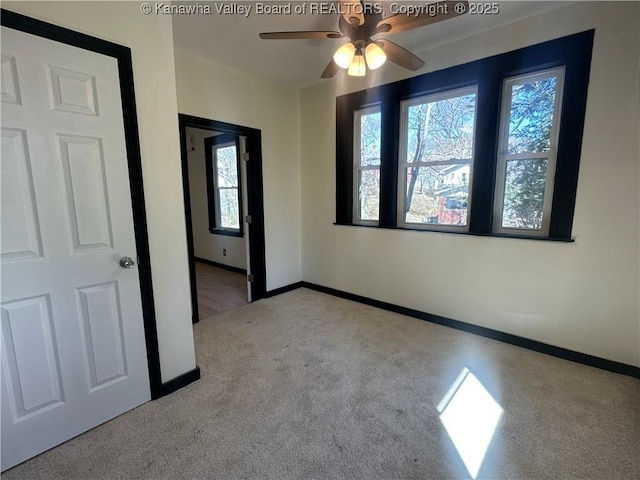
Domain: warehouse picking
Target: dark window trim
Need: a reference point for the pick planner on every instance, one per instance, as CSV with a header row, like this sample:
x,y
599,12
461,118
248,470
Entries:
x,y
461,232
573,52
125,70
210,168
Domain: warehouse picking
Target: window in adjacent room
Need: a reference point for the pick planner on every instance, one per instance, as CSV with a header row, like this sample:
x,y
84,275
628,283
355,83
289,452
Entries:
x,y
223,184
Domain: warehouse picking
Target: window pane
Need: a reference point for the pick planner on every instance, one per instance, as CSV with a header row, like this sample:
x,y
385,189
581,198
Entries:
x,y
227,167
437,195
367,163
229,211
524,193
441,130
370,139
369,194
531,116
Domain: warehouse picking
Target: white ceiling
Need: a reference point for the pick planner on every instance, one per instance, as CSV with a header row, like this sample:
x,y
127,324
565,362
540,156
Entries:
x,y
232,40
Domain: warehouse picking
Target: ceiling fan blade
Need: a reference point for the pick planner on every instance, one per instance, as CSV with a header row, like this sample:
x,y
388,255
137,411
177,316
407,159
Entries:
x,y
347,29
432,13
400,56
331,70
299,35
351,9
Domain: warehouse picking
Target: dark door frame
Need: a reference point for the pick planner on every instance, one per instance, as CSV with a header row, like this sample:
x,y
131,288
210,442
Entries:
x,y
255,206
122,54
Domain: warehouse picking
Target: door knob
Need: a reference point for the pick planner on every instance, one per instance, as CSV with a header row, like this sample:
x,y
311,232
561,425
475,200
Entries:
x,y
127,262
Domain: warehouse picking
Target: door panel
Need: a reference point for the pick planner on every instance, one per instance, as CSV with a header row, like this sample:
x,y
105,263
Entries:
x,y
10,90
87,200
102,332
73,348
73,91
22,241
32,361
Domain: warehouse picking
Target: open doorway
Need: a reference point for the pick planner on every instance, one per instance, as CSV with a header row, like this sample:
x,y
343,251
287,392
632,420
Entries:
x,y
222,178
218,189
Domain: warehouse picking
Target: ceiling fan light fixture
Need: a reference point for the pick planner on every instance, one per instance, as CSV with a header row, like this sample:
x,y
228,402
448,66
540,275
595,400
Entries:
x,y
344,55
358,67
375,56
357,26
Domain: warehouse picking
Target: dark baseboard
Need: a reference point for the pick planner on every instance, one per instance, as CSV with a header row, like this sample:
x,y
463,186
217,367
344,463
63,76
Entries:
x,y
220,265
529,344
178,382
285,289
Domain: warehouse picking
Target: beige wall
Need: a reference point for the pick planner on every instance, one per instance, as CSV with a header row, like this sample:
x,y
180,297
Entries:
x,y
206,245
214,92
584,295
151,41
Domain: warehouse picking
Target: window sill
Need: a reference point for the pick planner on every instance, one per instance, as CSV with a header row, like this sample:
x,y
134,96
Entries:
x,y
450,232
227,233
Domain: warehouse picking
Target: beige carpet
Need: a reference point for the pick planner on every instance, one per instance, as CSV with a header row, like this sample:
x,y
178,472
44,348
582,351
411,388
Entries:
x,y
305,385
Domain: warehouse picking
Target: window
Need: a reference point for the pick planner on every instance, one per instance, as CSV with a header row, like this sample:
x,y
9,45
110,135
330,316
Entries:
x,y
223,184
527,152
367,165
491,147
436,157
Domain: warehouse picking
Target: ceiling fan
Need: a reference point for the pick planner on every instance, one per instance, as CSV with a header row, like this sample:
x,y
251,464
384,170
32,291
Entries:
x,y
366,28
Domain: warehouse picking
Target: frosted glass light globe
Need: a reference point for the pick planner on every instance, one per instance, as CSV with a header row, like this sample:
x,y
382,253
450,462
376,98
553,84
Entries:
x,y
375,56
344,55
358,67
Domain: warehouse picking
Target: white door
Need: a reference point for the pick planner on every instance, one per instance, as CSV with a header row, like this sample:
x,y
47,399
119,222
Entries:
x,y
73,348
245,210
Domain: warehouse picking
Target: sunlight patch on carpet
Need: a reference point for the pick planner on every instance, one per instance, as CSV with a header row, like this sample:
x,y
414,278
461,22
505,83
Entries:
x,y
470,415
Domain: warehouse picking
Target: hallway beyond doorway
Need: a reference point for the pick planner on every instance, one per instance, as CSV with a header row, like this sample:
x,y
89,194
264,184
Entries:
x,y
219,290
